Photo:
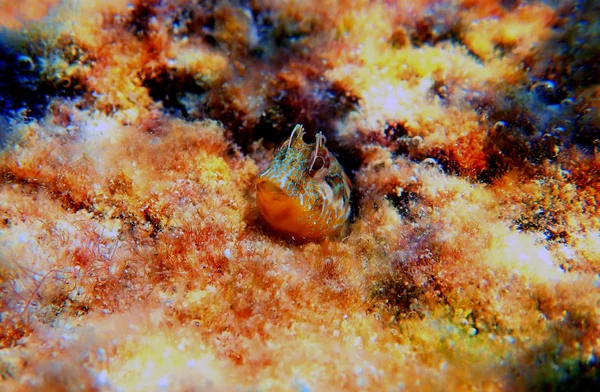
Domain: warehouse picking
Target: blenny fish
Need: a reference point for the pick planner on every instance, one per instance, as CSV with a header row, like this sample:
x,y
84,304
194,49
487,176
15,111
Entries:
x,y
304,192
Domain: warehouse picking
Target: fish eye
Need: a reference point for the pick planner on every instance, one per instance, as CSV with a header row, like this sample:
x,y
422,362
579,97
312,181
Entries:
x,y
318,164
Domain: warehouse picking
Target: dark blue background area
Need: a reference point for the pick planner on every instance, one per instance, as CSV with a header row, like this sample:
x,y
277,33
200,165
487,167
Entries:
x,y
20,83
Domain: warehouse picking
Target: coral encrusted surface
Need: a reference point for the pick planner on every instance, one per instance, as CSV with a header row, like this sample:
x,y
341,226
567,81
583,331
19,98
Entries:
x,y
132,253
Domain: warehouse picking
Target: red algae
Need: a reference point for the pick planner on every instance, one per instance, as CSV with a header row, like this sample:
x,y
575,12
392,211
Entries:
x,y
133,255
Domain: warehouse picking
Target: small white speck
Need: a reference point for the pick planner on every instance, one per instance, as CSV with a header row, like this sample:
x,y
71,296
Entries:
x,y
546,257
102,379
568,252
163,382
358,342
361,382
227,253
101,355
301,386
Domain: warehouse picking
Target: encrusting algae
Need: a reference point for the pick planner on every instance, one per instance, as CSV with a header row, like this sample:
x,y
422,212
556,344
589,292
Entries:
x,y
304,192
141,185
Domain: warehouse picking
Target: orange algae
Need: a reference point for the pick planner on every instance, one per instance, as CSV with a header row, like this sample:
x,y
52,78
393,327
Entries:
x,y
13,15
133,256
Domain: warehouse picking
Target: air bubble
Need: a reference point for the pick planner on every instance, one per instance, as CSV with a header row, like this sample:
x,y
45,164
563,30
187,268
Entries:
x,y
499,127
64,83
545,86
430,162
567,102
25,63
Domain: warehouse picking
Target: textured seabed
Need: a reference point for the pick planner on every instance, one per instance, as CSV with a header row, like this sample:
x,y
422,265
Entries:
x,y
132,254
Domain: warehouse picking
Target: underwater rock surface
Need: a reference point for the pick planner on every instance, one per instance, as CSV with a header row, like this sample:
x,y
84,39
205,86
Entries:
x,y
132,253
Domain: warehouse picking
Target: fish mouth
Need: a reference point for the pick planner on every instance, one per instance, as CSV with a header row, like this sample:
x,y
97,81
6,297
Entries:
x,y
268,187
277,207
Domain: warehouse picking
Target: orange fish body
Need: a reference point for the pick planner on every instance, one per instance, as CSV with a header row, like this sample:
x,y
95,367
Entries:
x,y
304,192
